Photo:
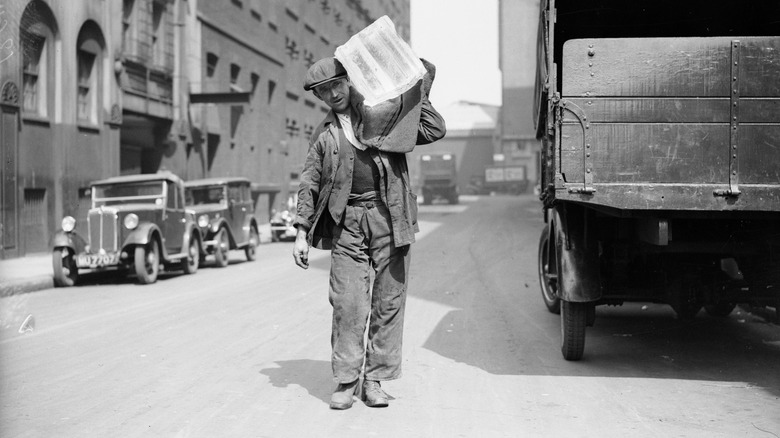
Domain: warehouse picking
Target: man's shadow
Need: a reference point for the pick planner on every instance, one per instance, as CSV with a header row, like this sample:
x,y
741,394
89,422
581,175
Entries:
x,y
314,376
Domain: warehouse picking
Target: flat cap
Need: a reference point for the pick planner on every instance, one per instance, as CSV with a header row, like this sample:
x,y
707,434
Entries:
x,y
322,71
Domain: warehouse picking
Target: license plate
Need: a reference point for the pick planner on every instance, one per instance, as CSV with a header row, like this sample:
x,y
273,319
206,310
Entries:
x,y
96,260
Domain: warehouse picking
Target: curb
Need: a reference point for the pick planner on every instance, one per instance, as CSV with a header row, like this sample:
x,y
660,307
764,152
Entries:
x,y
21,286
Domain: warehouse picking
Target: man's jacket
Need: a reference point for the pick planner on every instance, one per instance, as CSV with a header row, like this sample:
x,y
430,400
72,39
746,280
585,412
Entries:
x,y
328,172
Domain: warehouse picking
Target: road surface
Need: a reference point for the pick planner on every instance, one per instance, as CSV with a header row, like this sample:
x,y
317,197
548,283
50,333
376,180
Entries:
x,y
244,352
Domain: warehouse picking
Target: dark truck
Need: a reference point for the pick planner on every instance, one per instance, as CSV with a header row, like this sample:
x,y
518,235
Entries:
x,y
439,176
660,160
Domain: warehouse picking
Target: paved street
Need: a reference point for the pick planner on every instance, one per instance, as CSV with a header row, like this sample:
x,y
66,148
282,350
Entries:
x,y
244,352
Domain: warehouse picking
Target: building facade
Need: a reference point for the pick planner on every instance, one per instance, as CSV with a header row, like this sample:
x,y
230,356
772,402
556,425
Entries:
x,y
517,145
470,138
201,88
61,113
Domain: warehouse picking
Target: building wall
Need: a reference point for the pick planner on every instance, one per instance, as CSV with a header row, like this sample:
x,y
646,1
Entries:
x,y
56,153
518,21
145,120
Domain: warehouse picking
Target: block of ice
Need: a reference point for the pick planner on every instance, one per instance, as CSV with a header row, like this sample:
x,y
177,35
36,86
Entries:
x,y
380,64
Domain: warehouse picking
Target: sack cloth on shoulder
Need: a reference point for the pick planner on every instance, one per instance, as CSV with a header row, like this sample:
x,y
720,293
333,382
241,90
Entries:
x,y
391,126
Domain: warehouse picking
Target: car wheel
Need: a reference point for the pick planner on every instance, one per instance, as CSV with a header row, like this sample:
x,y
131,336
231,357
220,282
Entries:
x,y
222,248
147,262
251,247
574,317
548,278
66,273
190,263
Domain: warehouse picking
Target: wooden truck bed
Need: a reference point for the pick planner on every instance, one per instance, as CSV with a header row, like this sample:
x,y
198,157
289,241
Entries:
x,y
670,123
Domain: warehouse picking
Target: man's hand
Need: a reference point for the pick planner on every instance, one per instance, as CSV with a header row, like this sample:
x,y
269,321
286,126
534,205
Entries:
x,y
301,249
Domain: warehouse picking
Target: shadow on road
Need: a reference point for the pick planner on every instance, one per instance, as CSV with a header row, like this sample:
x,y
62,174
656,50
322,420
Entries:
x,y
500,324
312,375
624,342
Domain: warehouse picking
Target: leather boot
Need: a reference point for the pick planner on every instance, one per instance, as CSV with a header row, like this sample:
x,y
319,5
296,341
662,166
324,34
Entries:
x,y
373,394
342,396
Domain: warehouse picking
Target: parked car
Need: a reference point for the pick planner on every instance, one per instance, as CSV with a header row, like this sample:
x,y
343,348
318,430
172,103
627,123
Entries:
x,y
225,216
282,226
136,223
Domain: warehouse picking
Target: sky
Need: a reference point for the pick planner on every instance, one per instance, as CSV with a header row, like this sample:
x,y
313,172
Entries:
x,y
460,37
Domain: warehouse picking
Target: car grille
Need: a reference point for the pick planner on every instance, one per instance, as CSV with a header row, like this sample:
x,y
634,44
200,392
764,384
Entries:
x,y
102,230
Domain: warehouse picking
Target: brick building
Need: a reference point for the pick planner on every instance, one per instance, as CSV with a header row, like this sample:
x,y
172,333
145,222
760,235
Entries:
x,y
95,88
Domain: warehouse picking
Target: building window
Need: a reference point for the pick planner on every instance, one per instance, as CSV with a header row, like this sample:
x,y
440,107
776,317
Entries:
x,y
235,70
89,54
254,79
86,87
158,34
128,26
34,71
271,88
211,64
36,37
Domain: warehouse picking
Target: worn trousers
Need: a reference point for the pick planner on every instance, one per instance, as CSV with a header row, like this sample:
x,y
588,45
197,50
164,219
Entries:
x,y
364,243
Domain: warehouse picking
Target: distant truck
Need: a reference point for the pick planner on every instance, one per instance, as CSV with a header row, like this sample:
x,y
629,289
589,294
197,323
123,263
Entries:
x,y
505,179
439,176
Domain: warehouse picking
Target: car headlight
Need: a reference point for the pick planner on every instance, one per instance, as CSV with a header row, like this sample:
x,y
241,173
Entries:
x,y
203,220
131,221
68,224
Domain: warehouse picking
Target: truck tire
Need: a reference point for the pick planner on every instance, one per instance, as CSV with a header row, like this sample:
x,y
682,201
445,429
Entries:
x,y
574,318
548,281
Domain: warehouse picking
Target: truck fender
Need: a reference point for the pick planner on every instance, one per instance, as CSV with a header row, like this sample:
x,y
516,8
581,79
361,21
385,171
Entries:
x,y
577,253
69,240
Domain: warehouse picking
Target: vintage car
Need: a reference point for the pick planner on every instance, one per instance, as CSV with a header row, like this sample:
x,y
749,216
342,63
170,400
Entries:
x,y
136,223
282,226
225,216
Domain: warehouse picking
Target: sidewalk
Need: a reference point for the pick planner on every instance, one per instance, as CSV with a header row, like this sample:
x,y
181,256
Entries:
x,y
26,274
33,272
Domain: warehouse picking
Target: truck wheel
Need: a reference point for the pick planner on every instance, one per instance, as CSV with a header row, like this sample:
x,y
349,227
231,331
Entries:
x,y
685,298
222,248
147,262
573,321
548,279
66,273
251,247
190,263
720,310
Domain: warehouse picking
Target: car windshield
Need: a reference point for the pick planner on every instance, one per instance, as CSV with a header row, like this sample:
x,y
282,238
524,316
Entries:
x,y
148,192
206,195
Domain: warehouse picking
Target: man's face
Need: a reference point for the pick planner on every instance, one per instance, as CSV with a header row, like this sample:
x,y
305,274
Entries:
x,y
335,94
